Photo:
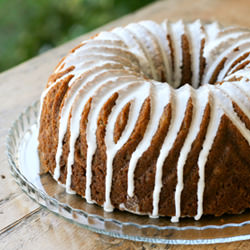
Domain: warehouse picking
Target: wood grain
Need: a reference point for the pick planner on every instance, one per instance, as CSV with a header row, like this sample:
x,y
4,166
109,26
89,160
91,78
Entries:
x,y
23,224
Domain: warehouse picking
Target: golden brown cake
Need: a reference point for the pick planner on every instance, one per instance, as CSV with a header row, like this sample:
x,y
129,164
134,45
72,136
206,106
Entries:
x,y
153,119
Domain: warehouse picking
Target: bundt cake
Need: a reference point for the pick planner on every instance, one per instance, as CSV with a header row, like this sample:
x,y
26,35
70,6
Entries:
x,y
153,119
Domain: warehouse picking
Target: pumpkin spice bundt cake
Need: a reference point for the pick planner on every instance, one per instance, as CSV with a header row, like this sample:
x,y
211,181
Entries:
x,y
153,119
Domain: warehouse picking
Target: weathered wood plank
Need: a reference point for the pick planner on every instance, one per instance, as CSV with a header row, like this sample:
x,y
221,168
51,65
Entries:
x,y
14,208
43,230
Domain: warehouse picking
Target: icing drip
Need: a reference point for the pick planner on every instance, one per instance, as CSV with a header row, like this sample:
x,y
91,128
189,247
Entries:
x,y
219,58
96,106
200,100
245,62
215,118
157,32
136,48
159,98
225,102
136,98
180,100
143,41
223,107
231,58
235,93
176,31
99,86
196,35
78,84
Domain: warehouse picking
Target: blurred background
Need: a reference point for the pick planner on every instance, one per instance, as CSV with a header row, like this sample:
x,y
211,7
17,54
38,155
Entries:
x,y
30,27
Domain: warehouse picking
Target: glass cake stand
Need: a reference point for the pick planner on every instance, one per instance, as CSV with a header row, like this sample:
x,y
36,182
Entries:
x,y
25,167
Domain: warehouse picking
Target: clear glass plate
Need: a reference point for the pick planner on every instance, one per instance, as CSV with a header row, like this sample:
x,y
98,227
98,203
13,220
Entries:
x,y
24,162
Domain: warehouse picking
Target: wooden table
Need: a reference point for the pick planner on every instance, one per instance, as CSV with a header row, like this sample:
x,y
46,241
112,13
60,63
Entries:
x,y
23,223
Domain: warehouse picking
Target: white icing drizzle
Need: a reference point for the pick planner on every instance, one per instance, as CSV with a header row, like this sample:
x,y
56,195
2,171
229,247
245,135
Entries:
x,y
78,85
178,104
215,118
199,100
83,96
136,49
223,105
168,52
231,58
241,62
244,74
196,35
176,31
158,92
43,95
136,98
120,61
225,102
96,106
144,42
157,31
218,56
238,96
243,87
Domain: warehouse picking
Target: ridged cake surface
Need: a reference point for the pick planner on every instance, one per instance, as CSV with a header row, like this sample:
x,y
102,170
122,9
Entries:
x,y
153,119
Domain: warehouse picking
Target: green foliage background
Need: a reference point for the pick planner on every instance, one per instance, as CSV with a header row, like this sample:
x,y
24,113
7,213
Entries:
x,y
29,27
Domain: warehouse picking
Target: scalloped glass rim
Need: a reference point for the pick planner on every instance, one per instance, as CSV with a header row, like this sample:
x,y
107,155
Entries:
x,y
118,224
